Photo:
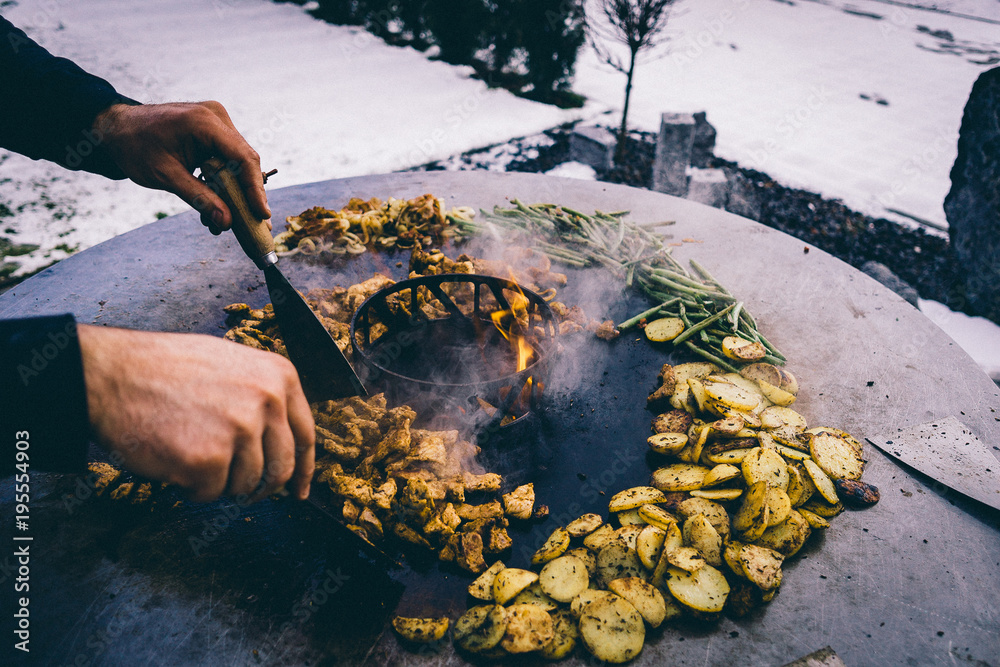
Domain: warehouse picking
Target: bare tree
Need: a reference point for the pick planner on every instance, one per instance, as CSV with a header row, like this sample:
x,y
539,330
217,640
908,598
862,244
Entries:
x,y
640,26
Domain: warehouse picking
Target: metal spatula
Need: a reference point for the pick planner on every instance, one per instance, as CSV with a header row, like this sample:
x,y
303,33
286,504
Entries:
x,y
323,369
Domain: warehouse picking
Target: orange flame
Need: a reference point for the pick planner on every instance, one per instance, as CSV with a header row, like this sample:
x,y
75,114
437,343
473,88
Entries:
x,y
506,321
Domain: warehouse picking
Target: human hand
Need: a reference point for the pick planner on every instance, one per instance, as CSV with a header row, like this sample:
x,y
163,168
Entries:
x,y
209,415
160,145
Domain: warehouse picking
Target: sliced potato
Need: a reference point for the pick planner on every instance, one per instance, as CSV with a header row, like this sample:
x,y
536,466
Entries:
x,y
615,561
815,520
730,456
565,636
703,590
646,599
587,598
800,484
421,630
778,505
762,371
721,474
698,393
588,558
534,594
835,456
731,557
667,443
634,497
482,587
777,416
664,329
688,559
655,515
761,565
731,396
776,395
612,630
529,628
694,369
822,481
788,536
679,477
555,546
599,538
741,349
584,525
788,381
714,512
563,578
817,505
629,518
751,519
728,427
649,544
511,581
480,628
850,439
628,535
791,454
717,494
701,535
765,465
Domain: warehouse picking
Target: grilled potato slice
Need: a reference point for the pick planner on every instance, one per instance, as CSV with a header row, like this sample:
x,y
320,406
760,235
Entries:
x,y
765,465
729,395
654,515
714,512
741,349
817,505
730,456
667,443
751,519
680,477
587,598
822,481
566,635
777,416
762,566
511,581
646,599
529,628
555,546
688,559
599,538
612,630
482,587
421,630
615,561
703,590
850,439
628,535
814,520
701,535
778,505
480,628
563,578
776,395
664,329
673,421
762,371
788,536
835,456
721,474
649,544
628,518
588,558
717,494
800,484
634,497
534,594
584,525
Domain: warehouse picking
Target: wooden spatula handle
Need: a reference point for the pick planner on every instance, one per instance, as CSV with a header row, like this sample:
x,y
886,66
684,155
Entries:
x,y
251,231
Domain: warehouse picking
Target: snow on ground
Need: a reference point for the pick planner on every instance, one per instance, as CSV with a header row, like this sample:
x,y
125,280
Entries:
x,y
855,99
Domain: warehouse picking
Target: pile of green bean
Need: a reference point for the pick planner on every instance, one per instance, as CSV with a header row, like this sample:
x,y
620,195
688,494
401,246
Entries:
x,y
709,311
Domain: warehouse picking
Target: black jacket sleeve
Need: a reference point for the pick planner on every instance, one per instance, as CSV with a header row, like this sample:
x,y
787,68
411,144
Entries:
x,y
43,401
48,106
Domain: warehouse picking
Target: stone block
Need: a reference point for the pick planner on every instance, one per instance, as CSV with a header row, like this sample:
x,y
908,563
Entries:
x,y
973,204
594,146
703,150
884,275
708,186
673,153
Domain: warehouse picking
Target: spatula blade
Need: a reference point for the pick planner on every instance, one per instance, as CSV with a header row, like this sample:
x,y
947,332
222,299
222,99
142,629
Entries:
x,y
323,369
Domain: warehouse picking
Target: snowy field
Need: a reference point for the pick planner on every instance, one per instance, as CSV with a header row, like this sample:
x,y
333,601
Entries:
x,y
859,100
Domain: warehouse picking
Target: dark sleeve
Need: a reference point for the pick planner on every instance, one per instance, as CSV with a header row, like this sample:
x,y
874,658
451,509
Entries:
x,y
48,106
43,397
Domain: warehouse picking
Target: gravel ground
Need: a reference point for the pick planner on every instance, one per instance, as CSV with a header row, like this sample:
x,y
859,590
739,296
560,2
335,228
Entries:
x,y
919,257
